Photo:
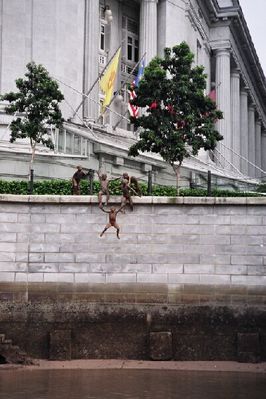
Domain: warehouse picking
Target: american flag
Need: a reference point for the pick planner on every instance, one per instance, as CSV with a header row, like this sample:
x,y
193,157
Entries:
x,y
134,109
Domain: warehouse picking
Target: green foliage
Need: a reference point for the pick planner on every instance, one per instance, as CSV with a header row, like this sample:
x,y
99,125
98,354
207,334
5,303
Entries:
x,y
164,191
63,187
13,187
200,192
37,101
179,118
262,188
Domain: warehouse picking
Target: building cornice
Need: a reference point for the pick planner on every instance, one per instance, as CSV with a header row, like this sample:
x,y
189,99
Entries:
x,y
242,46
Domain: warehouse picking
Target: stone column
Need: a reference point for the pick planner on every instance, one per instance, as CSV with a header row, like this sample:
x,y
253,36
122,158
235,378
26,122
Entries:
x,y
251,139
223,103
244,131
235,118
263,155
91,55
148,29
258,147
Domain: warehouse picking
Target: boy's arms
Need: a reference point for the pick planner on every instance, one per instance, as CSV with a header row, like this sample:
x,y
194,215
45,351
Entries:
x,y
102,208
120,209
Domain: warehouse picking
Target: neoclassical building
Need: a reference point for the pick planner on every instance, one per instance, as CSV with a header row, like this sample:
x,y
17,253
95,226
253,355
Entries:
x,y
75,39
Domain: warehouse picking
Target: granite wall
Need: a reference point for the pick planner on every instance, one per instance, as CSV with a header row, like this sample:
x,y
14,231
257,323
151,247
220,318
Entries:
x,y
192,270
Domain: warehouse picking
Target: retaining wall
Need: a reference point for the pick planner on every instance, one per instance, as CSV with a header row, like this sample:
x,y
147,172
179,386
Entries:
x,y
191,267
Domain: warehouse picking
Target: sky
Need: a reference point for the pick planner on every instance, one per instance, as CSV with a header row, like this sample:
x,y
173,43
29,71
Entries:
x,y
254,12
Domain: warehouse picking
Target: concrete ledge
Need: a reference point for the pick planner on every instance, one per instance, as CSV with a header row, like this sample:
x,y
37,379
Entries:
x,y
94,364
92,199
133,294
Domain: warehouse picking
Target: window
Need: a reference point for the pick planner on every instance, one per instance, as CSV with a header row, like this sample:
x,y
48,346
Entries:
x,y
132,49
102,37
198,60
130,40
129,48
136,50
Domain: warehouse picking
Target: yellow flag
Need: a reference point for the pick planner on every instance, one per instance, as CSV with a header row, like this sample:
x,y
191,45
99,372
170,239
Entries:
x,y
108,80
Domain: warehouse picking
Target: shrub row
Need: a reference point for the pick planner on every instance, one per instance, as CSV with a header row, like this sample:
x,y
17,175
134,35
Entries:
x,y
63,187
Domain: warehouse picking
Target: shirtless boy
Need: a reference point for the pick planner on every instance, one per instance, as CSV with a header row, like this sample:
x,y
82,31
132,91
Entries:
x,y
112,220
104,183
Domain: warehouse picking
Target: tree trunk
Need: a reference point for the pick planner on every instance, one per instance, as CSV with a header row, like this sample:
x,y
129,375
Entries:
x,y
177,174
33,149
31,171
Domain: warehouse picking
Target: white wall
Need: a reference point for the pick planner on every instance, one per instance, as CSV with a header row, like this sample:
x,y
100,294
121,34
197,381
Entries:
x,y
48,32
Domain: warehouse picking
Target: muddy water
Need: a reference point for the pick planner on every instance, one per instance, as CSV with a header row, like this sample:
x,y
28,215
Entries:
x,y
132,384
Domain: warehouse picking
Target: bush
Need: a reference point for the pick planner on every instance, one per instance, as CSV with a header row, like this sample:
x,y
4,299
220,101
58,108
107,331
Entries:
x,y
262,188
63,187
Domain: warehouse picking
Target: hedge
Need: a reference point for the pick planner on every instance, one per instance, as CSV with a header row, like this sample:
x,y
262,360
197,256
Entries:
x,y
63,187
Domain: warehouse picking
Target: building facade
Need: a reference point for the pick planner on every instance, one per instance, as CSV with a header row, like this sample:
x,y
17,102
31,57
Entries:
x,y
75,39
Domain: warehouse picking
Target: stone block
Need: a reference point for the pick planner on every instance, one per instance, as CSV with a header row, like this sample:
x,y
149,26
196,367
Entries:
x,y
45,228
44,247
60,345
161,347
214,279
214,239
230,269
248,347
249,280
7,247
215,219
151,278
34,277
8,217
22,237
6,276
12,267
61,219
121,278
43,268
202,269
59,277
244,220
35,257
41,209
183,278
59,257
94,278
89,257
166,268
252,230
246,260
198,229
8,237
35,218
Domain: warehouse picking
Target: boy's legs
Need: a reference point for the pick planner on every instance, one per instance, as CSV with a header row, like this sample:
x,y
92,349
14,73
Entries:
x,y
100,199
104,230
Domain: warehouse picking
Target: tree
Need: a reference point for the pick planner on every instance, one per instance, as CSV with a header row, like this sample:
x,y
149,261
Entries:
x,y
179,119
37,104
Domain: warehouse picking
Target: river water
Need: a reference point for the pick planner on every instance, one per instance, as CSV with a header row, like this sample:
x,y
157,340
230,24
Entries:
x,y
131,384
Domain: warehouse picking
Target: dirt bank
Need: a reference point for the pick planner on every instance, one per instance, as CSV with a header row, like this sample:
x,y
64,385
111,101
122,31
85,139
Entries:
x,y
137,364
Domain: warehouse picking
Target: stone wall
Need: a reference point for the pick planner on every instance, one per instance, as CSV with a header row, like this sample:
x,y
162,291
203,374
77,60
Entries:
x,y
186,281
171,250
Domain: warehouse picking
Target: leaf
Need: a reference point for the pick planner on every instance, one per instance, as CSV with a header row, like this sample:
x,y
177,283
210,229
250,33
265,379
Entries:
x,y
179,119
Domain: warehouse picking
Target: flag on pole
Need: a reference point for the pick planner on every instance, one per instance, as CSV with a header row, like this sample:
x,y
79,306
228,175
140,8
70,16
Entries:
x,y
134,109
140,72
108,80
212,95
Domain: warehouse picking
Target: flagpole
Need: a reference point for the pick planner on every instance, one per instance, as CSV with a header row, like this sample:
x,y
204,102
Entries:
x,y
121,87
89,98
96,81
122,116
